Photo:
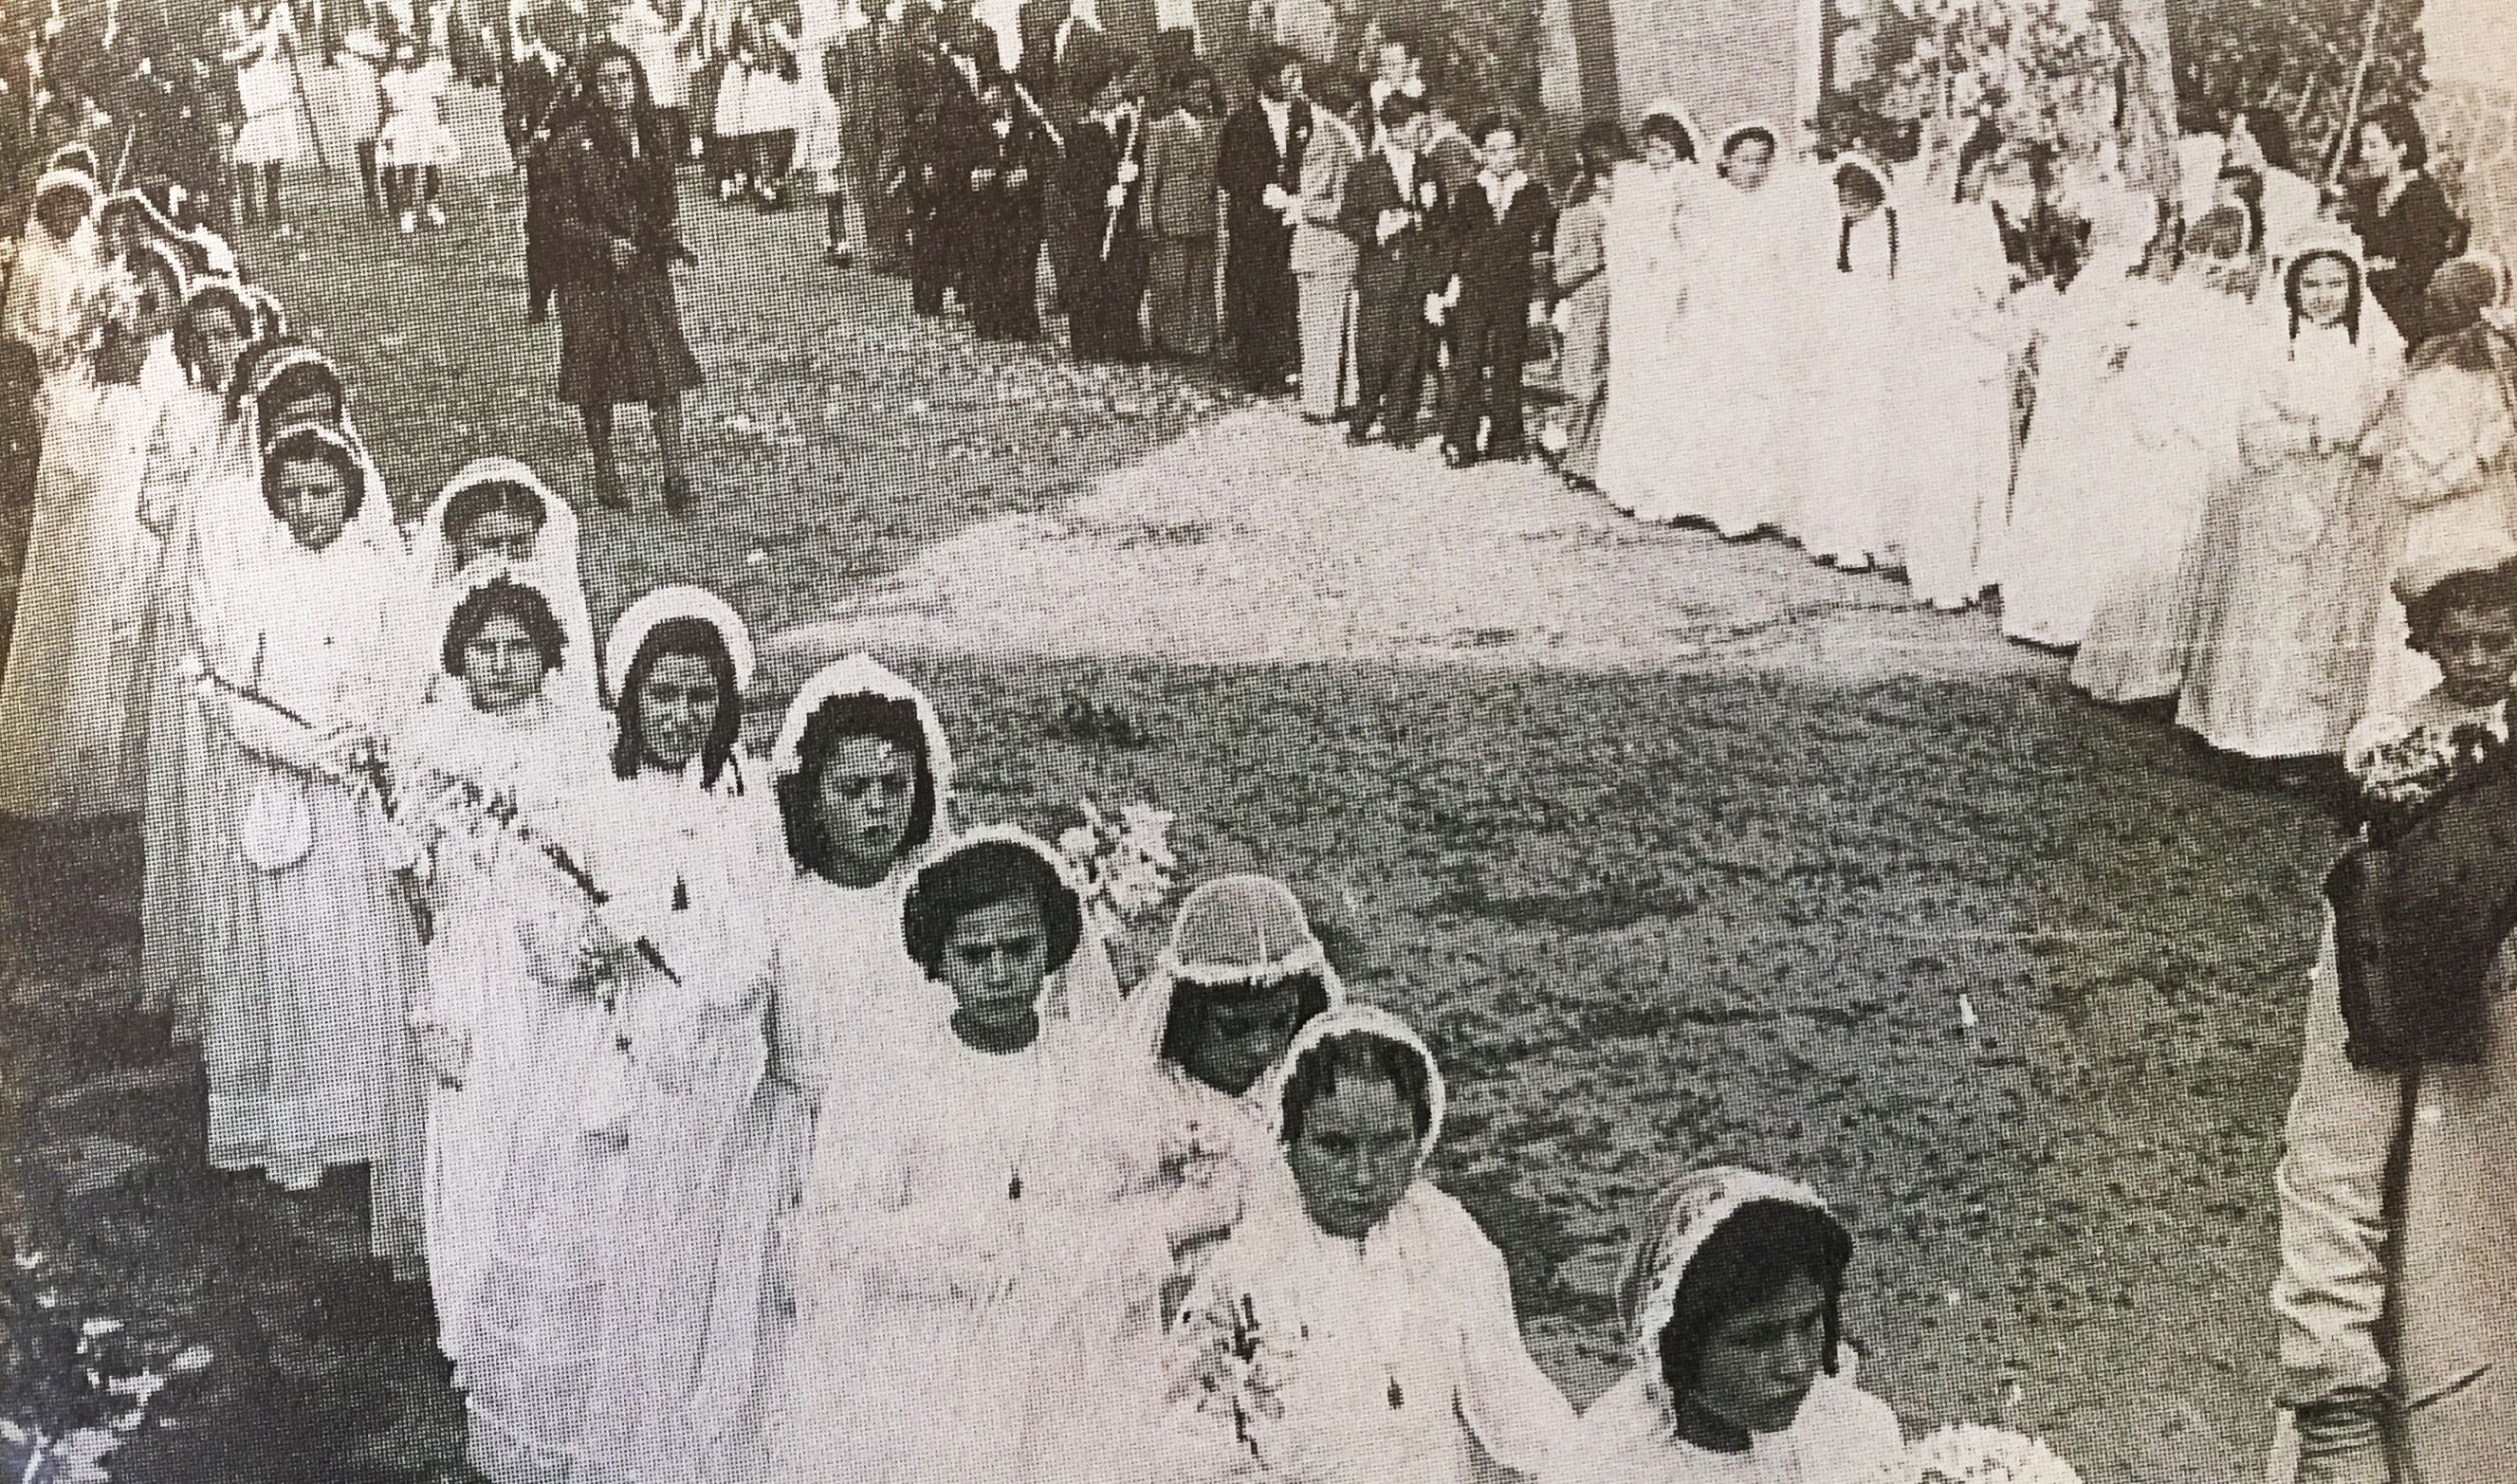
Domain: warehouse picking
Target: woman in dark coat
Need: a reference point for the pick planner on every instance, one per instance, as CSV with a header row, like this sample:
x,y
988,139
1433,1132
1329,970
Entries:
x,y
613,221
2407,229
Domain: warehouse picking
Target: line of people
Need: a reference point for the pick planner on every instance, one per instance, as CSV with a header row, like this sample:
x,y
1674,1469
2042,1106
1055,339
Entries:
x,y
759,1117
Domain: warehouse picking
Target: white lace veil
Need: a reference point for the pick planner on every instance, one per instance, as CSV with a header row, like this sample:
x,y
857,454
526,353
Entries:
x,y
554,564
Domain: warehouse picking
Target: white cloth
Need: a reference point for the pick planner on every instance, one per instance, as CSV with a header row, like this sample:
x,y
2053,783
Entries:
x,y
1861,454
1733,459
1843,1435
2070,494
1956,384
2449,471
414,132
274,130
551,568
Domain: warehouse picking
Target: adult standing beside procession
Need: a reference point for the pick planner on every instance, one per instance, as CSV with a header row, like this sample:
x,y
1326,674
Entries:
x,y
1177,205
1500,226
614,215
1258,163
1390,199
2407,229
1324,257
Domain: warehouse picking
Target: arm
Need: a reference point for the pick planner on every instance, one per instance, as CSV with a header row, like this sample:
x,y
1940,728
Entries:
x,y
1509,1403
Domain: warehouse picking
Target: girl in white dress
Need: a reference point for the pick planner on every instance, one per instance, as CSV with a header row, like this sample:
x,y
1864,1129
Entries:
x,y
53,287
274,135
1853,468
1956,380
1653,209
500,508
862,776
2450,465
1357,1327
1241,977
416,147
69,734
317,949
502,959
2180,436
210,335
546,1240
1734,446
2072,500
758,103
694,856
1730,1300
820,144
2294,546
978,1290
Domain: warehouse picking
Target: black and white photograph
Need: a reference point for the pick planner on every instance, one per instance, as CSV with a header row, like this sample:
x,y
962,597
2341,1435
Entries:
x,y
1257,741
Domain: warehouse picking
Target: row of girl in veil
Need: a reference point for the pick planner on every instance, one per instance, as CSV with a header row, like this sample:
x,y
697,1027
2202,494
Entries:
x,y
2231,455
757,1118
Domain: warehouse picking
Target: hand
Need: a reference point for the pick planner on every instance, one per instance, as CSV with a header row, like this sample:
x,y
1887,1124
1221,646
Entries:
x,y
1390,223
1129,172
1117,198
443,1050
599,945
1275,198
1435,310
1561,319
624,252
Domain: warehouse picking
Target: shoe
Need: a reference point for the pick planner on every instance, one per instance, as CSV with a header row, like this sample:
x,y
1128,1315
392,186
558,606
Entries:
x,y
435,215
1507,453
1405,442
839,255
1357,434
1457,457
409,223
677,496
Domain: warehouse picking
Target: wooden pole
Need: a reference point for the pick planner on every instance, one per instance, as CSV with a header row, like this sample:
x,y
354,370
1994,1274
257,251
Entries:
x,y
2341,144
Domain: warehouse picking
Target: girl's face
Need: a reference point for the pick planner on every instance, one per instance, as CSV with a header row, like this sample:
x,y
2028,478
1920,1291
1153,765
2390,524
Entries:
x,y
996,961
1750,162
1356,1155
503,666
60,213
221,341
1758,1366
2324,291
868,791
313,501
677,709
2476,649
2234,275
1660,152
161,299
501,533
1242,1037
615,85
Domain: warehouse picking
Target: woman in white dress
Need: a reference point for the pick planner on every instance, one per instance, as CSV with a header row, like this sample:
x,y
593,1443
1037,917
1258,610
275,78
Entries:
x,y
69,733
308,1064
693,854
2450,448
1730,1300
498,508
978,1291
1652,211
1733,444
210,335
862,779
2180,436
53,287
415,148
502,962
2295,541
2072,501
821,146
1241,977
1860,445
277,113
1357,1327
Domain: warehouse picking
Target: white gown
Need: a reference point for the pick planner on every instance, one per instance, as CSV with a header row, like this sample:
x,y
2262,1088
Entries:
x,y
1843,1435
1649,215
2449,471
1860,447
1957,386
1731,439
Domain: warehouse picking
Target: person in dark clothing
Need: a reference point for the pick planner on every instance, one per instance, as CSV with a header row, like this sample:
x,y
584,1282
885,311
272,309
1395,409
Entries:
x,y
1003,172
1105,240
1495,234
2405,227
613,223
927,185
1258,163
1391,199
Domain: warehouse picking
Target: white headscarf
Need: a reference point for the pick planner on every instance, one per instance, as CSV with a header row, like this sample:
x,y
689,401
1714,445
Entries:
x,y
1360,1020
1084,994
553,565
1685,1216
1232,931
664,605
373,525
861,674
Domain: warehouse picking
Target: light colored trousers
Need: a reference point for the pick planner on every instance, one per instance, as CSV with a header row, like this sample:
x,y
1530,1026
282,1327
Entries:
x,y
1325,305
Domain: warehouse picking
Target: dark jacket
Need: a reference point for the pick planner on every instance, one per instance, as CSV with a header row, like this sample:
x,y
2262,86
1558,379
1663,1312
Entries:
x,y
598,190
1411,261
1246,162
1497,262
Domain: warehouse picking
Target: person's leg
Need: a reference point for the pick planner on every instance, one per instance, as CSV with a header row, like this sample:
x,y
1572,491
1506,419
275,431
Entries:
x,y
1374,350
607,471
1321,304
1509,351
665,412
271,191
1404,400
432,184
368,178
245,196
1463,386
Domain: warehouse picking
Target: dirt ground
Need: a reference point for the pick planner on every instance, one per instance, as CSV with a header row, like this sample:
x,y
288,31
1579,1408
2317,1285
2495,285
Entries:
x,y
1680,851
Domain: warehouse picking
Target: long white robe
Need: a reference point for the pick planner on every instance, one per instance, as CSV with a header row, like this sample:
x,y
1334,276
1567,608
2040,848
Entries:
x,y
2451,472
1649,214
1957,334
1730,437
1861,453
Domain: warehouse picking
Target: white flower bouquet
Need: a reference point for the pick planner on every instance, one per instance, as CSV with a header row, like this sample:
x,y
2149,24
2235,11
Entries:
x,y
1970,1453
1126,869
